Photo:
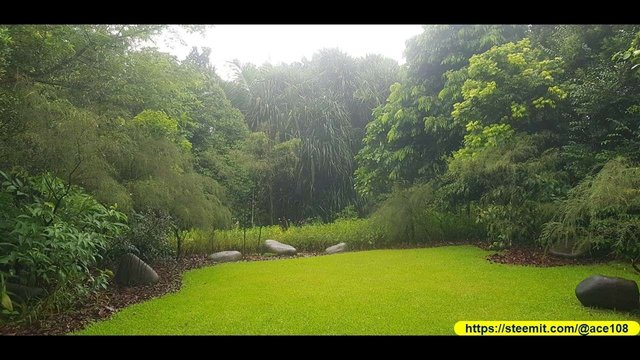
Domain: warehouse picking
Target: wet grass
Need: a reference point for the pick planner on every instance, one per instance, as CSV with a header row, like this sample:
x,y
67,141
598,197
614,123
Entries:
x,y
419,291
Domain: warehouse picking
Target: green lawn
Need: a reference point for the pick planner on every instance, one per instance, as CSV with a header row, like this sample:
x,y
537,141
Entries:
x,y
421,291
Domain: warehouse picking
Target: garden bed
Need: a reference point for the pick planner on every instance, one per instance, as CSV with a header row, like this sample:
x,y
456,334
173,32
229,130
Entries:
x,y
533,256
106,302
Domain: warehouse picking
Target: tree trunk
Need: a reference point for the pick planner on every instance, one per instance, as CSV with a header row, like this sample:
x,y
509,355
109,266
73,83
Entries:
x,y
244,239
178,244
253,206
271,203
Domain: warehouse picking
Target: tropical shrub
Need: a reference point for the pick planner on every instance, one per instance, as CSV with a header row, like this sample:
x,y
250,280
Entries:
x,y
413,216
509,182
602,212
53,237
149,237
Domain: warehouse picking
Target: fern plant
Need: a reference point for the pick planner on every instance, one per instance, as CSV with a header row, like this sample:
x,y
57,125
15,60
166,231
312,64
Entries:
x,y
602,213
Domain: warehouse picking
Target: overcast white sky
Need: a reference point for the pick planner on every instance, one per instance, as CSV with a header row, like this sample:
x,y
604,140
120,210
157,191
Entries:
x,y
288,43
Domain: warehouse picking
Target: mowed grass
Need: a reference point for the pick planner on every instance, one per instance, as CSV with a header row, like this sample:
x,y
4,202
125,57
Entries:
x,y
420,291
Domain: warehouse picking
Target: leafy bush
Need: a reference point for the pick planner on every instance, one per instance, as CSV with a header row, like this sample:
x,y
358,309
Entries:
x,y
149,237
509,185
348,212
602,212
413,216
53,235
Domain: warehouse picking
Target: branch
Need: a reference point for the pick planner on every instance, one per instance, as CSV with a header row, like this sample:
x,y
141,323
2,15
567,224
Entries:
x,y
68,187
62,63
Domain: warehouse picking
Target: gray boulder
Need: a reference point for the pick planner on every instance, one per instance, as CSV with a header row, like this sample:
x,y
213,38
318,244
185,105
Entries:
x,y
336,248
568,249
608,292
279,248
225,256
132,271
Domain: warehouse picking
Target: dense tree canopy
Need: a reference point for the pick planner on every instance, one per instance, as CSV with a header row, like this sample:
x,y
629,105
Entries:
x,y
412,131
324,102
127,125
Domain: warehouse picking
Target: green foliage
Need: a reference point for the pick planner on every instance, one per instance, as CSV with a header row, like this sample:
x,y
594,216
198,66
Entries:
x,y
54,234
602,212
632,54
348,213
510,84
5,49
258,176
412,216
191,199
158,124
149,237
481,137
510,184
394,224
412,132
128,125
324,102
602,93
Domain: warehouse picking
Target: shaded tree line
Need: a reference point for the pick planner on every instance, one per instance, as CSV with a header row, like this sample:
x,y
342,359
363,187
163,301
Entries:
x,y
318,109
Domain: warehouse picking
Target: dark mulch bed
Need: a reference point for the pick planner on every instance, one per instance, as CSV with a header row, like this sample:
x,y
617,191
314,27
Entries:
x,y
103,304
536,257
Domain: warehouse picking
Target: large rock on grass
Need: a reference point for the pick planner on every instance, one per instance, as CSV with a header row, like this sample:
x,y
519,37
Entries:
x,y
608,292
132,271
225,256
336,248
279,248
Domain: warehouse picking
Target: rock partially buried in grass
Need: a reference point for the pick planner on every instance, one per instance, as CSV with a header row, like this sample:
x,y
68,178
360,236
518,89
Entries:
x,y
608,292
336,248
279,248
132,271
226,256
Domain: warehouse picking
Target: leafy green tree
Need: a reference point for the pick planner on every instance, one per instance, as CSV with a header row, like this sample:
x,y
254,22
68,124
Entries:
x,y
510,178
602,93
324,102
510,84
413,130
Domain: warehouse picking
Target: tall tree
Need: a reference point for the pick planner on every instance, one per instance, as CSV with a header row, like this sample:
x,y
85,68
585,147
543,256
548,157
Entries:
x,y
413,130
324,102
